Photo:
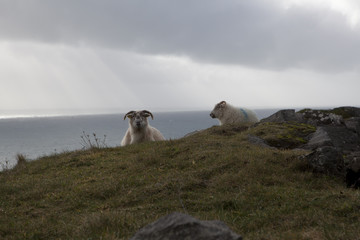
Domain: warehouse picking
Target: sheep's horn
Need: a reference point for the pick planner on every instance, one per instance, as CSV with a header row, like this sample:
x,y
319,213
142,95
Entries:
x,y
129,113
145,111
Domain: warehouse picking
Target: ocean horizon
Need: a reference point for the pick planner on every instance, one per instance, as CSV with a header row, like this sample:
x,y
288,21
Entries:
x,y
37,135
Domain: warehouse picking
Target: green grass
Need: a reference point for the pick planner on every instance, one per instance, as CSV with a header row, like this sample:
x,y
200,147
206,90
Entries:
x,y
110,193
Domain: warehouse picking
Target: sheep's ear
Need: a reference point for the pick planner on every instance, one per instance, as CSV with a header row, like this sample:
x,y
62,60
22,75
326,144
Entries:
x,y
222,103
129,114
147,114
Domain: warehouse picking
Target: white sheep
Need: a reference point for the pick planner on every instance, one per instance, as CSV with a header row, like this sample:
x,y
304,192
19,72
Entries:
x,y
139,129
228,114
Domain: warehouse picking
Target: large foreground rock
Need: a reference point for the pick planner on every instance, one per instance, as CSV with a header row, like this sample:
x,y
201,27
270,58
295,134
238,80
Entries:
x,y
337,136
327,160
353,124
179,226
333,150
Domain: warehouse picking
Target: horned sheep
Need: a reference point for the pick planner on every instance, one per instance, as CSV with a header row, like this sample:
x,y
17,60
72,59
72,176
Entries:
x,y
139,129
228,114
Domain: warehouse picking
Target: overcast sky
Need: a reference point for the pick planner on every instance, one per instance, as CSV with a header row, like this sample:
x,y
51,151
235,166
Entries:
x,y
178,55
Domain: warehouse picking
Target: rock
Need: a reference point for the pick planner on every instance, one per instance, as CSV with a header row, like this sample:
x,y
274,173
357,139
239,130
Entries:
x,y
353,124
287,115
321,117
319,138
176,226
352,161
330,145
335,116
327,160
352,178
347,112
337,136
342,138
335,143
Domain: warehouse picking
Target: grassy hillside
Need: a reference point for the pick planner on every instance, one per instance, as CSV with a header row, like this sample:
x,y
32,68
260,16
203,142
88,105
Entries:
x,y
110,193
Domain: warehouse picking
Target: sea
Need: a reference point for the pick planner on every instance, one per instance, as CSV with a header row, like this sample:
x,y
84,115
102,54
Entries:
x,y
38,136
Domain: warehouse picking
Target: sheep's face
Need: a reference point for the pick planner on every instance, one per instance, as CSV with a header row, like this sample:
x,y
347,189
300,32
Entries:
x,y
138,119
218,110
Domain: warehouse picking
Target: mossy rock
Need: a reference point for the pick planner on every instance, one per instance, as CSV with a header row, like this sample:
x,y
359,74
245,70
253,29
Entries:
x,y
347,112
344,112
286,135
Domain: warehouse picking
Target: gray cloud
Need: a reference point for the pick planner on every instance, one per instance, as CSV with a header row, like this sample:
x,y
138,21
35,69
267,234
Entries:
x,y
257,33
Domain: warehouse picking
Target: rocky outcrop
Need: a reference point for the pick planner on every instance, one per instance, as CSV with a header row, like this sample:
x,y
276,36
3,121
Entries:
x,y
287,115
335,144
321,117
353,124
339,137
179,226
326,159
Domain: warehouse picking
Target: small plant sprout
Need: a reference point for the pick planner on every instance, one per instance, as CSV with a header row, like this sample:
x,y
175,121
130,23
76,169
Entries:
x,y
21,159
90,142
